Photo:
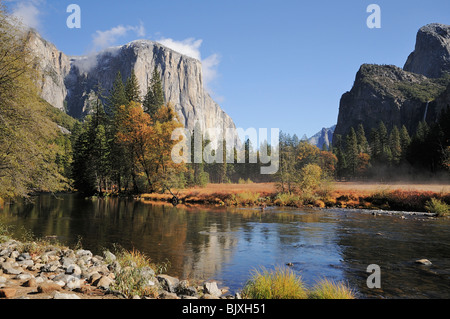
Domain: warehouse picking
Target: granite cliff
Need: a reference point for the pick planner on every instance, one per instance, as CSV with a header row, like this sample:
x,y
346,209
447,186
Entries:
x,y
398,96
68,83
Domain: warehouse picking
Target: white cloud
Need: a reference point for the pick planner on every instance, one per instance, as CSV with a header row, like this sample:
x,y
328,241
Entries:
x,y
104,39
28,13
191,48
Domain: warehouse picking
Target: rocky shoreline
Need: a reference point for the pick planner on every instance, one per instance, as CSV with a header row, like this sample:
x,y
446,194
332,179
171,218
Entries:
x,y
63,273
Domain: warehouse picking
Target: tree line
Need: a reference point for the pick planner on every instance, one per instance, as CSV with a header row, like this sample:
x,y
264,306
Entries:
x,y
397,153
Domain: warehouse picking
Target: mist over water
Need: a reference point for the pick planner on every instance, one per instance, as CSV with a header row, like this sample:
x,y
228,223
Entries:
x,y
227,244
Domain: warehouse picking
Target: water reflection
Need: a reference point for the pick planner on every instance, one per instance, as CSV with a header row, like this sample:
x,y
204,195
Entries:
x,y
226,244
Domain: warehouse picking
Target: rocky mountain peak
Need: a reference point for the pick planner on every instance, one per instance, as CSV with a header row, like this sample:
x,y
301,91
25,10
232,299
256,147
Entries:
x,y
68,83
431,56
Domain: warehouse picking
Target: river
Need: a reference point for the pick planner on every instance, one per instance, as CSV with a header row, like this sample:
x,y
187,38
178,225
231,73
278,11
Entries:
x,y
226,244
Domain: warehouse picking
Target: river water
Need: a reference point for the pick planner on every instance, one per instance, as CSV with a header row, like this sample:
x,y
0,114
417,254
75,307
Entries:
x,y
227,244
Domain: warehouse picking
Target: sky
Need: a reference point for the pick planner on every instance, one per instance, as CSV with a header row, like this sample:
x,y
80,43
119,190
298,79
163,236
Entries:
x,y
269,64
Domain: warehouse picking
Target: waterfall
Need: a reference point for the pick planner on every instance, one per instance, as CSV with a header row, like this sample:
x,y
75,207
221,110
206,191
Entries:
x,y
426,111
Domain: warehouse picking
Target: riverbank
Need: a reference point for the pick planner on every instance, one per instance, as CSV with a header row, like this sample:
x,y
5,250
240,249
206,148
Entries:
x,y
42,270
370,196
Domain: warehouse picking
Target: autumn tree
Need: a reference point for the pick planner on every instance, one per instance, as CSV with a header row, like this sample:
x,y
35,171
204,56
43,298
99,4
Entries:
x,y
27,136
150,144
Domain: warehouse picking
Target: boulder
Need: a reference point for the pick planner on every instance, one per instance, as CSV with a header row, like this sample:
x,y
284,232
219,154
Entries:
x,y
168,283
212,289
9,269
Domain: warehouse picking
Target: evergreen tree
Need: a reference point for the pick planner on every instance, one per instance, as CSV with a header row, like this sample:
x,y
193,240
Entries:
x,y
395,145
363,144
405,140
154,98
341,166
352,152
117,95
132,91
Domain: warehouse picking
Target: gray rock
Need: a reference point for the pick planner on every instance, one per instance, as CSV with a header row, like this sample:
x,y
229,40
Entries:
x,y
81,253
24,276
73,270
109,256
184,289
50,267
5,252
26,263
8,268
67,261
212,289
23,256
15,254
431,56
168,283
115,267
104,282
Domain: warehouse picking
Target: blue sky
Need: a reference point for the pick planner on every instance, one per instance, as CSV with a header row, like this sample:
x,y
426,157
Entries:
x,y
269,64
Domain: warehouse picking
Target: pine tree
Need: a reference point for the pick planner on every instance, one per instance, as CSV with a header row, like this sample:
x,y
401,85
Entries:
x,y
132,91
363,144
395,146
117,95
341,166
352,152
405,140
154,98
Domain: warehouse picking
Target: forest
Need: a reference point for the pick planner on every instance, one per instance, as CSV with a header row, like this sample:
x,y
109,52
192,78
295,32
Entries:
x,y
123,145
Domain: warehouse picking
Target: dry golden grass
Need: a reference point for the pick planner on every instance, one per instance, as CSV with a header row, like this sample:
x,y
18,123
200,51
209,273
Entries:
x,y
389,196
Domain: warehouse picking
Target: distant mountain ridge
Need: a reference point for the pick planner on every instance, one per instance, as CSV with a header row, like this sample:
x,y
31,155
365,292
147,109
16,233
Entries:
x,y
69,83
325,136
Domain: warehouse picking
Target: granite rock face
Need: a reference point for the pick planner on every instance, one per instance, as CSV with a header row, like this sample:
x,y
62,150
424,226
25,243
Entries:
x,y
398,96
325,136
431,56
70,83
54,66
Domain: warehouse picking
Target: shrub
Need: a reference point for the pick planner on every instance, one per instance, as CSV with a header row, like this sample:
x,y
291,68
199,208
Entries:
x,y
285,199
437,207
245,198
134,274
327,289
281,283
310,178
